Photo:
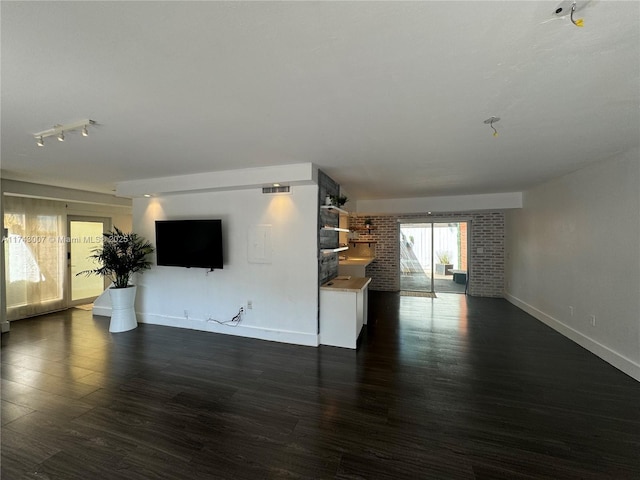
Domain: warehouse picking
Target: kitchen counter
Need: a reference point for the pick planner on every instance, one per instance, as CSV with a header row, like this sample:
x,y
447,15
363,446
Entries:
x,y
353,284
354,266
364,261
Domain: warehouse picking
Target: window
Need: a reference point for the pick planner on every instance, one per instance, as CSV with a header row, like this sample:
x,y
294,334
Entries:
x,y
34,256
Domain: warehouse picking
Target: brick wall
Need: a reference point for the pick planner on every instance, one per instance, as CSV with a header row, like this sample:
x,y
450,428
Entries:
x,y
384,272
486,269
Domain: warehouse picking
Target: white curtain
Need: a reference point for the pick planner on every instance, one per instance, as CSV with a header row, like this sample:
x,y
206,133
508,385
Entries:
x,y
35,251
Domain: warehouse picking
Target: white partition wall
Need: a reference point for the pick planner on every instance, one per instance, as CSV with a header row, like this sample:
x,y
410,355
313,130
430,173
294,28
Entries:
x,y
281,284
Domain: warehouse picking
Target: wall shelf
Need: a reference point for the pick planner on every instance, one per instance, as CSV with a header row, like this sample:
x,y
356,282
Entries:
x,y
334,209
363,241
333,250
335,229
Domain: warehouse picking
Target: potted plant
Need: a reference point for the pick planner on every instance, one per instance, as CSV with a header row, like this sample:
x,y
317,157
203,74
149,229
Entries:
x,y
339,200
120,256
444,265
410,241
368,223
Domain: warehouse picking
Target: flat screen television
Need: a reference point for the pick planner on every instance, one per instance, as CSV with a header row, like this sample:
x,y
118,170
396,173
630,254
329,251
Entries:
x,y
189,243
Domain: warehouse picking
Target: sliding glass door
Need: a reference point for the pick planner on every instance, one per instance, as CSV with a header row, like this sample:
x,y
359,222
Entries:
x,y
433,256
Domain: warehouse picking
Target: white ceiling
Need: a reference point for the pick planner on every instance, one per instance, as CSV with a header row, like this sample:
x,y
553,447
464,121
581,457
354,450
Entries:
x,y
388,98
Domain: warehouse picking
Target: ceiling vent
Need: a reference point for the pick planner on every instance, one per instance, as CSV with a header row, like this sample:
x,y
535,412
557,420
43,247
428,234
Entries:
x,y
279,189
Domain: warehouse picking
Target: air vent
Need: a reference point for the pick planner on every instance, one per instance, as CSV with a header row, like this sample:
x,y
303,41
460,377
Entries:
x,y
280,189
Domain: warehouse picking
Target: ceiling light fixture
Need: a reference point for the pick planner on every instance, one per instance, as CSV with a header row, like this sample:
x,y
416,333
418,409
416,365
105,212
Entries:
x,y
490,121
59,131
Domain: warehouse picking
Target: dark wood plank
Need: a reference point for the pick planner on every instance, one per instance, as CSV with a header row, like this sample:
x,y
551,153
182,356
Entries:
x,y
10,412
453,387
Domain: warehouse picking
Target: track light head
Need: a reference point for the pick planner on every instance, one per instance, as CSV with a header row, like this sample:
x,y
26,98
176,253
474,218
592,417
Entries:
x,y
40,142
85,132
61,137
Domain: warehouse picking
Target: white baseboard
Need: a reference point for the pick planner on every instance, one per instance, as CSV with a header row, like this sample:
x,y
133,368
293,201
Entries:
x,y
621,362
248,331
283,336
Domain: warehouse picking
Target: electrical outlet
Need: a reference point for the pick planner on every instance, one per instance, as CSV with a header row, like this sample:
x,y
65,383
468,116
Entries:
x,y
592,320
571,311
249,304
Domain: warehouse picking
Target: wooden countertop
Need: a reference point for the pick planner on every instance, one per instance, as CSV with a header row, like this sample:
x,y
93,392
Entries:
x,y
364,261
353,284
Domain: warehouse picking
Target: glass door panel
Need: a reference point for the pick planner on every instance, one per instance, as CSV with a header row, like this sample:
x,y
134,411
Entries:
x,y
34,256
84,236
450,249
416,257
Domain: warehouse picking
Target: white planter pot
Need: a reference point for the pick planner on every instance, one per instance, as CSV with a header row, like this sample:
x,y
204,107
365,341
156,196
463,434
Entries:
x,y
123,313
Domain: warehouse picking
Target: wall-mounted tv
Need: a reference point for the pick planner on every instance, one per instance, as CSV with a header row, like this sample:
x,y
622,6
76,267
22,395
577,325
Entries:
x,y
189,243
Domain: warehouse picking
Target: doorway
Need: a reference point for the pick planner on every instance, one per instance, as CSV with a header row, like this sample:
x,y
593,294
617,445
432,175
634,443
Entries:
x,y
434,256
85,234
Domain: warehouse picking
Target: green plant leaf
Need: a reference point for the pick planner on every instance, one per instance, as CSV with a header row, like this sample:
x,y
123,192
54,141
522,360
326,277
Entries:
x,y
120,256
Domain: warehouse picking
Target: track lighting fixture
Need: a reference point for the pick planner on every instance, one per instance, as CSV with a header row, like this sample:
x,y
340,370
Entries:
x,y
59,131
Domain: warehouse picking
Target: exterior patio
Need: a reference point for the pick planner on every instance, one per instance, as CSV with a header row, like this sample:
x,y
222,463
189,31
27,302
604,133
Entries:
x,y
419,281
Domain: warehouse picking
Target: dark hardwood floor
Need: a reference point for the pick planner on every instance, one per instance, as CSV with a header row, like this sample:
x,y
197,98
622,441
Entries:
x,y
447,388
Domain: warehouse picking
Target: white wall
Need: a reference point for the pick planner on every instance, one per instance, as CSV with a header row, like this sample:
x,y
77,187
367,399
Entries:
x,y
454,203
284,292
119,217
576,243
